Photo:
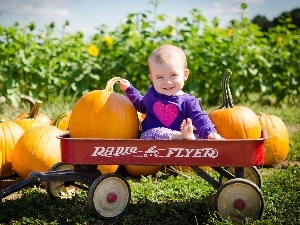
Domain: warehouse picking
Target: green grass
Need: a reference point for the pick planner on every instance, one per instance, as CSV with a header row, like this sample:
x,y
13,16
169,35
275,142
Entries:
x,y
166,199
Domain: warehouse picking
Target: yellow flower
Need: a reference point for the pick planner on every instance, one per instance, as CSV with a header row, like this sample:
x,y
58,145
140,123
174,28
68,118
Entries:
x,y
173,30
279,40
230,31
109,41
93,50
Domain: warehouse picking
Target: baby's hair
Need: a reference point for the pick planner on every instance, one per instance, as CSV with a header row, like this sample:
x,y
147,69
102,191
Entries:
x,y
165,52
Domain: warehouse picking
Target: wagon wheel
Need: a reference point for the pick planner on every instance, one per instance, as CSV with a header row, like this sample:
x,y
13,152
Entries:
x,y
238,199
58,188
250,173
109,196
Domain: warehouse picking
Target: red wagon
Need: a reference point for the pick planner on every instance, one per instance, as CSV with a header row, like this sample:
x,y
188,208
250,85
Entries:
x,y
238,188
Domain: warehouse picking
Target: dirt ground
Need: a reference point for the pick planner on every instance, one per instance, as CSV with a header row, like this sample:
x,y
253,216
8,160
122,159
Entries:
x,y
7,183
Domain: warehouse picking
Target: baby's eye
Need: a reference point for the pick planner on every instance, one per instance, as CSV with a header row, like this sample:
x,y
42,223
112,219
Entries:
x,y
174,75
157,78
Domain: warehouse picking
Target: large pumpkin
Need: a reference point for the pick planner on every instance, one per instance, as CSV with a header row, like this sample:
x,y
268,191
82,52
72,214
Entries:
x,y
277,145
10,133
37,150
104,114
234,122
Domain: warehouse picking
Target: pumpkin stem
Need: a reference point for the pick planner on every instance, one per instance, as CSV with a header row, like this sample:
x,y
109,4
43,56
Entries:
x,y
227,101
35,109
28,99
110,83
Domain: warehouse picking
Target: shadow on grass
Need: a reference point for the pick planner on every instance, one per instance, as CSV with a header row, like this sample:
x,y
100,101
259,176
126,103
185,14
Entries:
x,y
34,206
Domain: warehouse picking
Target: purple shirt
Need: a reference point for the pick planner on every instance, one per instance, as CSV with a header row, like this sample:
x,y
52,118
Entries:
x,y
169,111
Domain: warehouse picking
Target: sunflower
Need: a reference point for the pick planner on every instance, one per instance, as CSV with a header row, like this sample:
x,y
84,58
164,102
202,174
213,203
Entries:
x,y
93,50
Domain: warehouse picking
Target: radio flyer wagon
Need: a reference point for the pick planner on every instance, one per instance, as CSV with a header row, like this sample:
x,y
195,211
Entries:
x,y
238,193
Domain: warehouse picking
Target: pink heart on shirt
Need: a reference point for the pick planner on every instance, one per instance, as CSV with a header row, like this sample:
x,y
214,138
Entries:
x,y
165,113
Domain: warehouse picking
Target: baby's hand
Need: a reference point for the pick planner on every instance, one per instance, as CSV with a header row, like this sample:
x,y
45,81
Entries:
x,y
214,136
124,84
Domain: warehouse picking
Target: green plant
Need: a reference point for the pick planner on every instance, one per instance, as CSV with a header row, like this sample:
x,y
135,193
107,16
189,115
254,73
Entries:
x,y
42,65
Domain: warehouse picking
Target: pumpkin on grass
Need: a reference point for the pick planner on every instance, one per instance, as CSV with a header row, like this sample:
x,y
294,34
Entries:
x,y
62,121
104,169
139,170
10,133
39,116
104,114
277,145
30,120
38,149
234,122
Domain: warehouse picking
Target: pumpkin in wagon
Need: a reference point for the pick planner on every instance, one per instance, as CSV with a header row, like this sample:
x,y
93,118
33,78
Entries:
x,y
234,122
104,114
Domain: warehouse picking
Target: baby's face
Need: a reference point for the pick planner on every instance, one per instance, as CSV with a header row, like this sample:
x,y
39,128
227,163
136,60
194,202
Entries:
x,y
168,77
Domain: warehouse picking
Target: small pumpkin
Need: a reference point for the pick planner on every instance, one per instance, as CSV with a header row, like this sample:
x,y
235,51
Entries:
x,y
277,145
139,170
189,169
40,116
38,149
104,169
62,121
104,114
10,133
234,122
31,121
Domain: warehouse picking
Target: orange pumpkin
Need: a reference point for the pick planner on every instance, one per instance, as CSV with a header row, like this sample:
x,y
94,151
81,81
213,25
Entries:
x,y
37,150
189,169
277,145
104,114
104,169
234,122
62,121
10,133
138,170
31,121
40,116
